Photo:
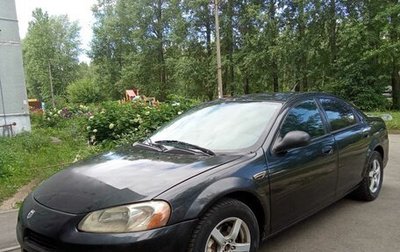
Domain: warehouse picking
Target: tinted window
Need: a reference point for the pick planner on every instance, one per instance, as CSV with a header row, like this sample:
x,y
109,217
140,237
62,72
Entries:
x,y
339,114
304,117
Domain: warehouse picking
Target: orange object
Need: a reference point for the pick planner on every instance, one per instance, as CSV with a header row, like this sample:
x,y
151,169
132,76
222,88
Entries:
x,y
34,104
131,94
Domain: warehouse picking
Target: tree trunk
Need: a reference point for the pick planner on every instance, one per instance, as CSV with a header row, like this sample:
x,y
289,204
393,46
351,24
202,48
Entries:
x,y
394,37
305,82
396,84
246,86
303,50
275,75
245,29
274,33
208,30
163,74
332,31
229,48
221,88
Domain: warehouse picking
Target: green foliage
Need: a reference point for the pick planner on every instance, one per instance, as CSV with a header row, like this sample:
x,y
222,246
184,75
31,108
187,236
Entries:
x,y
168,47
84,91
50,48
128,122
55,117
365,98
36,155
114,122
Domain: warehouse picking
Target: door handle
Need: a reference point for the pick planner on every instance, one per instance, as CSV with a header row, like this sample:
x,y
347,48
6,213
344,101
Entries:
x,y
260,175
327,150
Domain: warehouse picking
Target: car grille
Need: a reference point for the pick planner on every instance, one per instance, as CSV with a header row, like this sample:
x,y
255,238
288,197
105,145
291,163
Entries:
x,y
41,241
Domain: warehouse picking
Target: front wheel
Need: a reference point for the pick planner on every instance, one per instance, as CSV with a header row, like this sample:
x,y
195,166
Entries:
x,y
372,183
230,225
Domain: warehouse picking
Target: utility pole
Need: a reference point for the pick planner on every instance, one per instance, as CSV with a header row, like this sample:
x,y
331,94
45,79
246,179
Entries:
x,y
51,87
218,45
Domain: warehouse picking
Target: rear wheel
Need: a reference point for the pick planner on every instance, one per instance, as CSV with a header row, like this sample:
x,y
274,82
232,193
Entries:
x,y
230,225
372,183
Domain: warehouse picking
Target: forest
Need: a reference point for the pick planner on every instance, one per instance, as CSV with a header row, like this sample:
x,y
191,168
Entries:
x,y
347,47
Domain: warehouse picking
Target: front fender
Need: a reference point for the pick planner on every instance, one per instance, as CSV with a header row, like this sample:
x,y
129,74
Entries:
x,y
220,189
190,199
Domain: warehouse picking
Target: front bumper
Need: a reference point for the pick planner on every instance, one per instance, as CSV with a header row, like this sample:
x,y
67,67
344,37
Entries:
x,y
51,230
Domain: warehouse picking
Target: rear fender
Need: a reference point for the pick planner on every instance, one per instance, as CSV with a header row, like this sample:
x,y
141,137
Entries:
x,y
378,140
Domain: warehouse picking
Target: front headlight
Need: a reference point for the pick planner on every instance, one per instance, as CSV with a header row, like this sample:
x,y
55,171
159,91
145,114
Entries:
x,y
129,218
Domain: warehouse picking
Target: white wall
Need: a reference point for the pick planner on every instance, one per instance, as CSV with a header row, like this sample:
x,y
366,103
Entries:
x,y
13,96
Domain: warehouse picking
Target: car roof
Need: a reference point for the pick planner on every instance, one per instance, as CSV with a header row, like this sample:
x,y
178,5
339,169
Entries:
x,y
275,97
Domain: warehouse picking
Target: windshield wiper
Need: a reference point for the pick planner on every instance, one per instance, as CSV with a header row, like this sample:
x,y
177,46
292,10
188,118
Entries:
x,y
186,145
148,142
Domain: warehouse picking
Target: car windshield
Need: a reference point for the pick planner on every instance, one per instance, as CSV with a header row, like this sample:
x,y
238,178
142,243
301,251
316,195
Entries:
x,y
228,126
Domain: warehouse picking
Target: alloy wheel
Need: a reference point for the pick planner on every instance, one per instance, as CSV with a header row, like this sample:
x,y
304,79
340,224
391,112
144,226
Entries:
x,y
375,176
231,234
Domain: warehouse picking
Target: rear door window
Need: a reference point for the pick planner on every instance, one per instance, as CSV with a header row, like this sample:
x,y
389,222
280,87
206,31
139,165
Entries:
x,y
339,114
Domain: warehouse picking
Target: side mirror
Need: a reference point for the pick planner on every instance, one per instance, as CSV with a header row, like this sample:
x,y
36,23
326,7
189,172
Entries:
x,y
292,139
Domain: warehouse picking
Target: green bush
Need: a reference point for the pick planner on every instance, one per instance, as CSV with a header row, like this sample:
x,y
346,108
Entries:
x,y
127,122
111,123
365,97
84,91
57,117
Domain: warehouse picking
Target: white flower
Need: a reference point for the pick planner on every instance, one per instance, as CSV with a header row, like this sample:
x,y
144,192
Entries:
x,y
88,128
95,131
91,117
180,112
111,126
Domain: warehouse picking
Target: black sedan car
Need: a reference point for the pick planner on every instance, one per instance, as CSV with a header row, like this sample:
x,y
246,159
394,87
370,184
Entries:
x,y
222,177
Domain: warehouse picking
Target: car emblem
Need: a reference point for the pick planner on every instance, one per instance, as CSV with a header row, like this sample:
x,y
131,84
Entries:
x,y
30,214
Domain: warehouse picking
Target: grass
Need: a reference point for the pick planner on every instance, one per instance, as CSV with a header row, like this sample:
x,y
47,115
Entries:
x,y
40,154
394,124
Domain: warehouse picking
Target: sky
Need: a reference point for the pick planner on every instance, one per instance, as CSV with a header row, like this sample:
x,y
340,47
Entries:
x,y
77,10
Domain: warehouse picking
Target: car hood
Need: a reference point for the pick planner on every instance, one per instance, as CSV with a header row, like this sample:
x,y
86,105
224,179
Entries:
x,y
127,175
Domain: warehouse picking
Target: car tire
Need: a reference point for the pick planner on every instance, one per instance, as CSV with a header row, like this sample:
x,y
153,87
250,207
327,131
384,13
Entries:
x,y
229,224
371,185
